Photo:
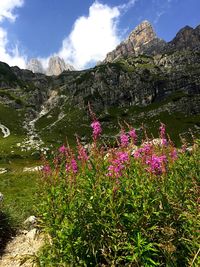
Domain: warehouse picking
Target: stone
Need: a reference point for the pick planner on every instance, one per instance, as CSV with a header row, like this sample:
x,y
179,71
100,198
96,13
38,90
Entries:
x,y
1,197
30,220
35,66
57,65
32,169
3,170
32,234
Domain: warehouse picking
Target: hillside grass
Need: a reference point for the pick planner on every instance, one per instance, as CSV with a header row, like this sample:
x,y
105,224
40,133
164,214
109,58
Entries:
x,y
18,188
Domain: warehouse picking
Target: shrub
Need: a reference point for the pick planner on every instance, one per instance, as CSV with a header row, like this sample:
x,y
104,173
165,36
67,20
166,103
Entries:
x,y
124,206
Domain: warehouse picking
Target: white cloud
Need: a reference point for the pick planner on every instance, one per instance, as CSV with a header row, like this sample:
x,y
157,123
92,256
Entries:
x,y
128,5
12,57
92,36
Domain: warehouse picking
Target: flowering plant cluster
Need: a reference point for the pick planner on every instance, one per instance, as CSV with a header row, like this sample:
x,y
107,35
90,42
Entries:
x,y
121,206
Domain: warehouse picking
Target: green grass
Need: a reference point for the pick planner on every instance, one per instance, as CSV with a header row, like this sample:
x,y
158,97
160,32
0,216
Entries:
x,y
18,188
74,122
12,118
19,202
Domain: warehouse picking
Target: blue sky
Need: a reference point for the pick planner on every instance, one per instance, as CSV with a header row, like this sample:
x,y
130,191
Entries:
x,y
83,31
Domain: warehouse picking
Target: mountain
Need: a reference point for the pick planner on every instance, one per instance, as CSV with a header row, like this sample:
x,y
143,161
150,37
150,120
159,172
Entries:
x,y
143,40
145,80
56,66
35,66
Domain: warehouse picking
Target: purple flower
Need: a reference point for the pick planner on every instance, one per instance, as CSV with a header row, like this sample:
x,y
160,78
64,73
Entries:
x,y
146,148
162,130
122,156
82,154
174,154
96,126
46,169
163,134
156,164
164,141
117,164
72,166
62,149
124,139
133,135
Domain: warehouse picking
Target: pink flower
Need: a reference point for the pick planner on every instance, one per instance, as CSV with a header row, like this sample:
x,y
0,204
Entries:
x,y
133,135
82,154
174,154
138,153
164,141
115,170
162,130
156,164
124,139
117,164
62,149
72,166
122,156
96,126
46,169
163,134
147,148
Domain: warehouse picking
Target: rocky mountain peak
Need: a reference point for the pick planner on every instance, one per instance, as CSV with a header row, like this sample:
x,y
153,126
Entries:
x,y
187,38
35,66
142,35
56,66
142,39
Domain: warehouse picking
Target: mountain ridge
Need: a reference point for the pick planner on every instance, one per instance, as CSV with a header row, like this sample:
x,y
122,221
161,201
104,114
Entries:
x,y
141,89
143,40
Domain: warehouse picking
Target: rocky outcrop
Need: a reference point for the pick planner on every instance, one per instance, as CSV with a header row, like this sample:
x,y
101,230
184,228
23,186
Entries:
x,y
187,38
35,66
57,65
142,40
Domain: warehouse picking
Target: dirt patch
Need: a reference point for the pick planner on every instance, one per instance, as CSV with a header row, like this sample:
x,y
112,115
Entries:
x,y
22,249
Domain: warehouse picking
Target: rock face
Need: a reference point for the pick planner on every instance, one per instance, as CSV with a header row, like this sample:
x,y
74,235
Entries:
x,y
187,38
141,39
57,65
35,66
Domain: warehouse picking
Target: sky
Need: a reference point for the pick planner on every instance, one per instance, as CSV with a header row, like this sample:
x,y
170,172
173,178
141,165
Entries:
x,y
83,31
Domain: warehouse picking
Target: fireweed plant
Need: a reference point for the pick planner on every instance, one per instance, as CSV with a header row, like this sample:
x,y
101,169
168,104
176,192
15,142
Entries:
x,y
130,205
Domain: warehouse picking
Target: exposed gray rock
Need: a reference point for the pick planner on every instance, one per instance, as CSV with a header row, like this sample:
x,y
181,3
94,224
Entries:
x,y
57,65
35,66
1,197
30,220
142,40
3,170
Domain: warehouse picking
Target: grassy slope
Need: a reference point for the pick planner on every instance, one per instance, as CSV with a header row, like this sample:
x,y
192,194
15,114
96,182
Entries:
x,y
18,188
76,121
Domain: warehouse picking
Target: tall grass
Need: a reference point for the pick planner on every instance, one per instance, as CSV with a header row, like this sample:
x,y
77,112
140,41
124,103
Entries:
x,y
130,205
